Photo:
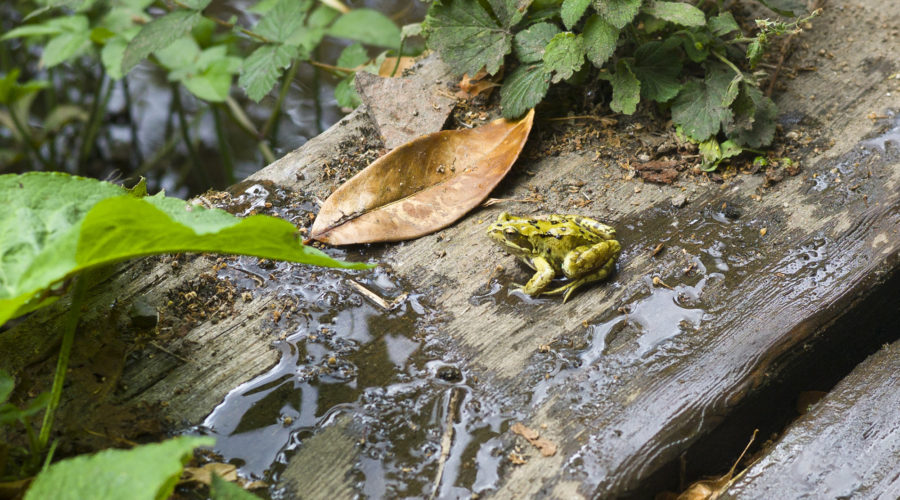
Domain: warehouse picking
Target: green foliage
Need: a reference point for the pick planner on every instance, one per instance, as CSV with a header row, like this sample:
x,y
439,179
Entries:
x,y
144,472
221,489
686,58
57,225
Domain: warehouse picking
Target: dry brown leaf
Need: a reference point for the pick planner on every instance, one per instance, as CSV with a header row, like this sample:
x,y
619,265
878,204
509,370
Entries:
x,y
423,185
387,66
204,474
545,446
471,86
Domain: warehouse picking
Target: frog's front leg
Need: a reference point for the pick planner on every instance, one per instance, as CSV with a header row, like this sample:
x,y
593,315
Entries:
x,y
544,274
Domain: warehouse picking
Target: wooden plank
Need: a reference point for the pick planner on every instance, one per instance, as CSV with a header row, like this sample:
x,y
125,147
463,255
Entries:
x,y
847,446
626,375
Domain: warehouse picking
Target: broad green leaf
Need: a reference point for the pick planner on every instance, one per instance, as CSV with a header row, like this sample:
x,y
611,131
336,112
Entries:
x,y
523,90
213,84
572,11
283,20
467,36
224,490
367,26
564,55
263,6
509,12
352,56
262,69
723,24
753,123
677,12
626,89
56,225
658,65
147,472
701,107
63,47
179,54
788,8
158,34
529,44
600,39
196,4
617,12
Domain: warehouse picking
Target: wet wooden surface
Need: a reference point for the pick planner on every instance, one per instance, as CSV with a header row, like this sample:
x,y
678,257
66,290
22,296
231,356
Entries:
x,y
847,446
634,373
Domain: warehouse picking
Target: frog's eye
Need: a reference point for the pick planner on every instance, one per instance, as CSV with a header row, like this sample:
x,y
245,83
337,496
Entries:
x,y
510,230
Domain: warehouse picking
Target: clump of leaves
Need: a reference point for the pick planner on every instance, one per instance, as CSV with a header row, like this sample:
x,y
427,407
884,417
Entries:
x,y
695,62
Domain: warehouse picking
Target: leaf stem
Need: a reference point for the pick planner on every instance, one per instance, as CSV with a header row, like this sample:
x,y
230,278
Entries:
x,y
62,363
282,93
224,150
98,110
226,24
186,135
727,62
27,139
135,145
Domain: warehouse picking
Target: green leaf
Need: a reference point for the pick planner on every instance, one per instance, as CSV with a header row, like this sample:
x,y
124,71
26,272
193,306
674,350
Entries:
x,y
158,34
723,24
55,26
63,47
283,20
352,56
572,11
196,4
713,153
367,26
564,55
600,39
658,65
262,69
467,36
617,12
345,93
529,44
223,490
214,83
755,50
523,90
753,123
145,472
677,12
7,384
696,44
56,225
788,8
701,107
626,89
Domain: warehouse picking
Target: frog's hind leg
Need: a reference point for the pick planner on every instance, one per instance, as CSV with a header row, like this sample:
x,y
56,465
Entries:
x,y
604,231
585,260
597,275
542,277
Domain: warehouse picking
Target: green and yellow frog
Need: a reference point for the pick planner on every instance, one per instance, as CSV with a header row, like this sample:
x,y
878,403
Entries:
x,y
580,248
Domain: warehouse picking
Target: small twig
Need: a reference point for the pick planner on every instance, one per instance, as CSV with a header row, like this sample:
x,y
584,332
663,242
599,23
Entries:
x,y
784,50
446,441
170,353
377,299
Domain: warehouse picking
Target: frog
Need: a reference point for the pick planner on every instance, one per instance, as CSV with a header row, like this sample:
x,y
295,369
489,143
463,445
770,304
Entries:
x,y
582,249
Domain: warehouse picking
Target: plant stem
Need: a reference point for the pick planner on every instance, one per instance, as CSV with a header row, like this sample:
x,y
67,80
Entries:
x,y
317,102
26,138
186,135
336,70
62,363
135,145
282,93
728,63
226,24
224,150
98,110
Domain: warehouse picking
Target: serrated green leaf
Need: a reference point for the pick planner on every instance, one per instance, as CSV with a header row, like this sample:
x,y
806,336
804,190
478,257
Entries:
x,y
467,36
352,56
626,89
572,11
617,12
263,6
147,472
345,93
755,51
677,12
699,108
283,20
213,84
600,40
788,8
564,55
367,26
262,69
64,46
723,24
56,225
529,44
753,122
658,66
158,34
523,90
